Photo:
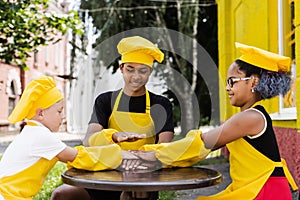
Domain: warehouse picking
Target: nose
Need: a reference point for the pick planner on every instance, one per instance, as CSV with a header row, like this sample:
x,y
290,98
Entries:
x,y
136,75
227,88
63,116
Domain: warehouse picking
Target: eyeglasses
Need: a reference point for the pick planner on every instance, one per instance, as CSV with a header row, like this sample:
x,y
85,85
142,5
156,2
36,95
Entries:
x,y
230,81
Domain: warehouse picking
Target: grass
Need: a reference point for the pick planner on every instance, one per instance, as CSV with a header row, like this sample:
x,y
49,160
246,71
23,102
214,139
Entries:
x,y
53,180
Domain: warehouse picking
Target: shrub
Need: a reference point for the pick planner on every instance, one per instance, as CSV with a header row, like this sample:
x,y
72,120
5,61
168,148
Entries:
x,y
53,180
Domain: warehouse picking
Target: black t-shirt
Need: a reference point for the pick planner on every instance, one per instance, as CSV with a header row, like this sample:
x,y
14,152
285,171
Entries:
x,y
160,109
266,143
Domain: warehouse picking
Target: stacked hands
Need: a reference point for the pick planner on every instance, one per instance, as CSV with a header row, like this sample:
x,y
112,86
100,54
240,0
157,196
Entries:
x,y
135,159
139,160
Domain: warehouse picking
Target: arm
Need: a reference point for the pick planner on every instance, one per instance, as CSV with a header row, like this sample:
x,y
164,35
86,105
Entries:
x,y
92,128
92,158
163,119
246,123
181,153
166,136
99,116
67,155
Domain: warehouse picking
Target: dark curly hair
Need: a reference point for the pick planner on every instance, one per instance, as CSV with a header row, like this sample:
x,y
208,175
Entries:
x,y
270,83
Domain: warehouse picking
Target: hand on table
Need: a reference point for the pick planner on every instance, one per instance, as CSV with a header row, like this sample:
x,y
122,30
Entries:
x,y
135,159
148,158
129,161
145,155
127,136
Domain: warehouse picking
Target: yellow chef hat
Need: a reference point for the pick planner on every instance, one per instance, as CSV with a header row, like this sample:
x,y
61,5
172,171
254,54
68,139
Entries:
x,y
139,50
39,93
263,59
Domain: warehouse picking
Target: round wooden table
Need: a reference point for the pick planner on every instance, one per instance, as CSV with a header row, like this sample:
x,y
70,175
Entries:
x,y
143,180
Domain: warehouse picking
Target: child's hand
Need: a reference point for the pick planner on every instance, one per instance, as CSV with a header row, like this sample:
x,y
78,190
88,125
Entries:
x,y
149,160
127,136
129,161
145,155
133,160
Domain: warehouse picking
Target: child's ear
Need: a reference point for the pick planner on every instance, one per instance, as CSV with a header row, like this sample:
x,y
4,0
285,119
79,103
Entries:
x,y
255,82
39,112
121,67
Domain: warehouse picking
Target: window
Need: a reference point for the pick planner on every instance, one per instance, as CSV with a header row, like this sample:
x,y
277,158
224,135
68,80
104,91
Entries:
x,y
12,99
35,60
47,55
286,44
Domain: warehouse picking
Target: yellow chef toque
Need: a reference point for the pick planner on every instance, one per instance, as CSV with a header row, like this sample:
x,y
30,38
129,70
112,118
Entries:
x,y
263,59
39,93
139,50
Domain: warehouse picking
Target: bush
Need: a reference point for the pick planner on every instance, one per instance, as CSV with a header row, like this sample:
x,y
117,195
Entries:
x,y
53,180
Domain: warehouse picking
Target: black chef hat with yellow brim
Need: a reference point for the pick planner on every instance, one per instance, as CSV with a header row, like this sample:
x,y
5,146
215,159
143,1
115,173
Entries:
x,y
263,59
39,93
137,49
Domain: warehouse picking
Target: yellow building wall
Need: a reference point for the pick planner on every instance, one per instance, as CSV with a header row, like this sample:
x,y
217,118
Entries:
x,y
297,40
253,23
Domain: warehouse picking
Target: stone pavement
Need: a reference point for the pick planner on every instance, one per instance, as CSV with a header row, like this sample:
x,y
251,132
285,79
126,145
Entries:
x,y
223,168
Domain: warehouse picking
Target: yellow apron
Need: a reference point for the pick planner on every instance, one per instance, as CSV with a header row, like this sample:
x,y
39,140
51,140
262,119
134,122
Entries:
x,y
12,187
133,122
249,171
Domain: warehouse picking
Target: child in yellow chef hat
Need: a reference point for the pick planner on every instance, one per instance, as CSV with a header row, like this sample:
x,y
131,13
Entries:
x,y
131,116
256,168
28,159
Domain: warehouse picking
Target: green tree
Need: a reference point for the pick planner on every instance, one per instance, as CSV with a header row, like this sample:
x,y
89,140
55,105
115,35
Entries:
x,y
27,24
190,18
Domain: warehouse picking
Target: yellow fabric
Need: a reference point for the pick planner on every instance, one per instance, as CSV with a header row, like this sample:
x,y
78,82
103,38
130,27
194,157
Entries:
x,y
263,59
247,178
141,123
26,183
180,153
139,50
97,158
102,138
39,93
289,175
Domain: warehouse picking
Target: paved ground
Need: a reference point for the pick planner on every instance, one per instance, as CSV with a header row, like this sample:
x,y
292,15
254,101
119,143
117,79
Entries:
x,y
193,194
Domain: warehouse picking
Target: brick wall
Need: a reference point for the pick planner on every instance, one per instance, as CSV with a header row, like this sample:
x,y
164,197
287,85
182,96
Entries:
x,y
49,61
289,146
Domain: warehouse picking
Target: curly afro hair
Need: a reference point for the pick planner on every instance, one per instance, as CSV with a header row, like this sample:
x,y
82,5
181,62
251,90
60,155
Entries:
x,y
270,83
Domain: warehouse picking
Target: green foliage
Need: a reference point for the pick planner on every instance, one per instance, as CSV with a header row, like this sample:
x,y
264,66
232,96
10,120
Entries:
x,y
27,24
52,181
167,195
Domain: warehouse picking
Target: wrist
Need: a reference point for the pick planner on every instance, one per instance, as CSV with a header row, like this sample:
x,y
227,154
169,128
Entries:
x,y
114,138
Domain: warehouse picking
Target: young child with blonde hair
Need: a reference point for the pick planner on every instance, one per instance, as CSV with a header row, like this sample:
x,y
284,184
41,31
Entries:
x,y
28,159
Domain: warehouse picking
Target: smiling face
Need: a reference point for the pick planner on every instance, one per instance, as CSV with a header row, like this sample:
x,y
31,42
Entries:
x,y
135,76
240,91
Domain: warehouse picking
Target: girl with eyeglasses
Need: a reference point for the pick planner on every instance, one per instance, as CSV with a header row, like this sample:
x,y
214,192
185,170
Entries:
x,y
256,168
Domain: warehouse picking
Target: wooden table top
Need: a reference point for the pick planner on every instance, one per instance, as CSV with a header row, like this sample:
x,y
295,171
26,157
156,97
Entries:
x,y
143,180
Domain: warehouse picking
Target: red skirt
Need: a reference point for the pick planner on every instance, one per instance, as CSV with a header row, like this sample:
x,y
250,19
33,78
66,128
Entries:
x,y
276,188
